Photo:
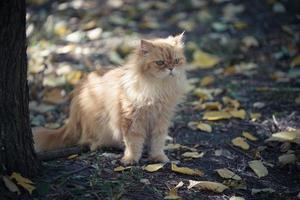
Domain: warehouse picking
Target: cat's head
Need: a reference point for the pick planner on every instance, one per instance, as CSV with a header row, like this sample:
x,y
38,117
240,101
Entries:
x,y
163,57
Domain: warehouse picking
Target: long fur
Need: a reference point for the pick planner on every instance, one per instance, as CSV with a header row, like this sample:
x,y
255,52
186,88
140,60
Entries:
x,y
126,106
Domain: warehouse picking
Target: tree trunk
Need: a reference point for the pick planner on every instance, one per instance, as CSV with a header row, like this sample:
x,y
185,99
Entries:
x,y
16,143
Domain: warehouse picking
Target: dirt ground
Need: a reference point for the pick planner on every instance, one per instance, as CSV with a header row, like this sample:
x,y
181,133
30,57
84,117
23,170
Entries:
x,y
260,72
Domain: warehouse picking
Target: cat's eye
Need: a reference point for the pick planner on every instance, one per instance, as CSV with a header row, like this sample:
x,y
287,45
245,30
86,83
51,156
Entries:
x,y
177,61
160,62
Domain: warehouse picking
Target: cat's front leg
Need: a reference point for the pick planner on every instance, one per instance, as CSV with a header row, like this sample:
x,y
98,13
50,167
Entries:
x,y
157,144
133,148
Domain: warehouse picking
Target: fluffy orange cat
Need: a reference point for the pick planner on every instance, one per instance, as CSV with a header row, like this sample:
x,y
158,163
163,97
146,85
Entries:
x,y
130,105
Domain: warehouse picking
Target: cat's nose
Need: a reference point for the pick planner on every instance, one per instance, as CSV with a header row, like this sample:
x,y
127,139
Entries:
x,y
170,68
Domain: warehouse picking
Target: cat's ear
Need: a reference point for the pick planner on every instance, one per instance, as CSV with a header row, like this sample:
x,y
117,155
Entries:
x,y
179,38
145,47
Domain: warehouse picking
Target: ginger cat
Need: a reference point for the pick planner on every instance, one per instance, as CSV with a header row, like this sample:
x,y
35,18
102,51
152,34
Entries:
x,y
129,105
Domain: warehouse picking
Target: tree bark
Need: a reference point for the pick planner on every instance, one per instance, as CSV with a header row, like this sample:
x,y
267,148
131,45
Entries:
x,y
16,143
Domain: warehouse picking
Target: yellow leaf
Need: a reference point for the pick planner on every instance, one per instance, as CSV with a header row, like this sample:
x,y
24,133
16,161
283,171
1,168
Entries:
x,y
240,25
208,185
287,159
72,156
53,96
24,182
186,170
297,100
173,192
295,61
172,195
153,167
207,80
240,142
188,148
61,29
255,116
193,154
216,115
211,106
226,173
258,167
74,77
204,60
172,146
249,136
241,114
10,185
203,94
231,102
121,168
230,70
285,136
204,127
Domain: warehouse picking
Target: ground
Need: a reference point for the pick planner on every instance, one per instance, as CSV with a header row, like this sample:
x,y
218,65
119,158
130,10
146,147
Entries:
x,y
252,49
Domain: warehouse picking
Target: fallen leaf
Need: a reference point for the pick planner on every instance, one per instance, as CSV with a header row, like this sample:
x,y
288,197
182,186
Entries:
x,y
53,96
24,182
10,185
236,198
207,80
219,27
203,94
231,102
188,148
186,170
258,167
153,167
295,61
287,159
255,116
240,142
172,195
192,125
172,146
250,41
204,60
235,184
285,136
255,191
297,100
61,29
239,25
216,115
193,154
226,173
74,77
241,114
72,156
204,127
211,106
121,168
208,185
249,136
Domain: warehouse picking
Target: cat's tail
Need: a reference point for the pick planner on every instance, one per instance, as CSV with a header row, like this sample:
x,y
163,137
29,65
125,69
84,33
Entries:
x,y
51,139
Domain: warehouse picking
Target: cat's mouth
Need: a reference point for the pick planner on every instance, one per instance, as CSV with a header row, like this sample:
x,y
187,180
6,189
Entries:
x,y
171,74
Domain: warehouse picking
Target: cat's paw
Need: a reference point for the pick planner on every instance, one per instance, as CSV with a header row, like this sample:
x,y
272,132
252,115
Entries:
x,y
159,158
128,161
